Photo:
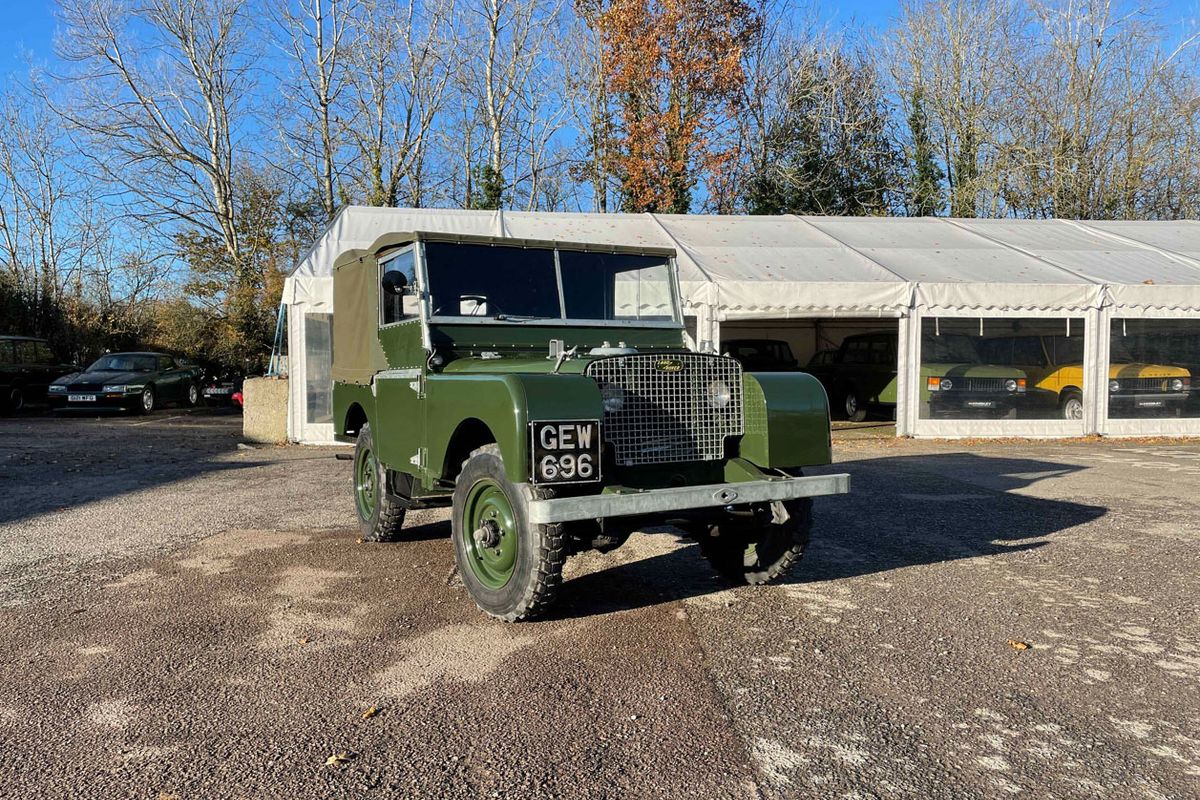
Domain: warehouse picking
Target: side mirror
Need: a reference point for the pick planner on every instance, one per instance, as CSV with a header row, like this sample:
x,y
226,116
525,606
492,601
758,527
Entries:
x,y
394,282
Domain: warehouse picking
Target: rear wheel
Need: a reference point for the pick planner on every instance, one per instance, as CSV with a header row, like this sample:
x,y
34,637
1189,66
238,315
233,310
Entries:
x,y
512,569
760,544
193,395
380,518
852,404
16,399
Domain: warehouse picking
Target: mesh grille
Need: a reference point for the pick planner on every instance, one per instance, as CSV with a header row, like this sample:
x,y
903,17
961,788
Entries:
x,y
1145,384
665,416
983,384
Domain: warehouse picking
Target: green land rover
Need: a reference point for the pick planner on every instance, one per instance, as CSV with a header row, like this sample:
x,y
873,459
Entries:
x,y
545,393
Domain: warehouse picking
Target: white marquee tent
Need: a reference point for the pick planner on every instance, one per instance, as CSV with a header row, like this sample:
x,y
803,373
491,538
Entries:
x,y
739,268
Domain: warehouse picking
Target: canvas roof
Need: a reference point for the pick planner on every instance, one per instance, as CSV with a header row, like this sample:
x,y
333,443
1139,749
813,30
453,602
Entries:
x,y
748,266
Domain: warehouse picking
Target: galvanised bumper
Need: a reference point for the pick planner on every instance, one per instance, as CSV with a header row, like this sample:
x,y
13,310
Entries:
x,y
632,502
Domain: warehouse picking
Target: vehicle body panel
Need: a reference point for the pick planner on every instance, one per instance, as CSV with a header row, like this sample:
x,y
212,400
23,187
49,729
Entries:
x,y
28,364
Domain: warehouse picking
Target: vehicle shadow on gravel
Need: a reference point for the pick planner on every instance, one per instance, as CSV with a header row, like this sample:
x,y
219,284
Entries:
x,y
904,511
52,464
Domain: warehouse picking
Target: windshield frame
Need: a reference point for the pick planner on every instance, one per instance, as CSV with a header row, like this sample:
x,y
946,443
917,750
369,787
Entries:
x,y
427,317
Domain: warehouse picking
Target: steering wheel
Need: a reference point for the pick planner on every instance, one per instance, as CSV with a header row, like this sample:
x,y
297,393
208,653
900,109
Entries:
x,y
479,299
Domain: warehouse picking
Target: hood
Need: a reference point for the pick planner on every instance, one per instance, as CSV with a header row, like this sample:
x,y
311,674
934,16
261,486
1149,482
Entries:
x,y
104,377
525,363
1142,370
969,371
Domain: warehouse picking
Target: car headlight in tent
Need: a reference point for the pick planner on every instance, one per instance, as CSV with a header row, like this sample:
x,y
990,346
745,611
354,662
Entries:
x,y
1114,386
1177,385
1010,385
719,394
946,384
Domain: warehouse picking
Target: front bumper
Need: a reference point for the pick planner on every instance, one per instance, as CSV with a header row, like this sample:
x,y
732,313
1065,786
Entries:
x,y
1146,399
634,502
956,402
103,402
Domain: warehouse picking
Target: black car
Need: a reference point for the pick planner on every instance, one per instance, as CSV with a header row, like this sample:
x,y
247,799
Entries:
x,y
128,381
762,355
27,366
223,389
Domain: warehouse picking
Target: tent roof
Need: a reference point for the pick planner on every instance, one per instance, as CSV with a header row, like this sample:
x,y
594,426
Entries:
x,y
761,265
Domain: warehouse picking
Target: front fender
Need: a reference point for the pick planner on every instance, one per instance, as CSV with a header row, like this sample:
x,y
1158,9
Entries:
x,y
506,403
787,420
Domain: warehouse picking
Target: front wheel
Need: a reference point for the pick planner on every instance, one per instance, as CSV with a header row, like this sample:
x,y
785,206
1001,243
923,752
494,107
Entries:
x,y
147,400
759,544
512,569
193,395
1072,406
380,517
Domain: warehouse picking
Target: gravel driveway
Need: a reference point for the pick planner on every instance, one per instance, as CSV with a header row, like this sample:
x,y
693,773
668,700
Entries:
x,y
184,619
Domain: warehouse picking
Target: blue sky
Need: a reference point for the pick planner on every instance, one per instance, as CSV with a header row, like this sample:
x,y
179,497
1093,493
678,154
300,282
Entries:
x,y
30,24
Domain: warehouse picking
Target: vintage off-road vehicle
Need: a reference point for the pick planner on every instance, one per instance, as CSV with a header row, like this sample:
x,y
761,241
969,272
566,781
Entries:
x,y
544,391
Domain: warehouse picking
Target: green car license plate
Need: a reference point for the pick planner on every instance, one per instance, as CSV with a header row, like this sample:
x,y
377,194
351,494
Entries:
x,y
565,451
81,398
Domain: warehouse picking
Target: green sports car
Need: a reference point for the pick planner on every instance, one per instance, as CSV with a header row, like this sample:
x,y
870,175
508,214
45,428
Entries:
x,y
138,382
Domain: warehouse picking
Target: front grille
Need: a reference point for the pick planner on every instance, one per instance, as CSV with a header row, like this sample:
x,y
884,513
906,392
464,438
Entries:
x,y
665,415
85,387
1144,384
981,384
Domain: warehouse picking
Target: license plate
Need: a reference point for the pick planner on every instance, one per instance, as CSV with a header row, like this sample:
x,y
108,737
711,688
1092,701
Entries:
x,y
218,391
1150,403
980,403
565,451
81,398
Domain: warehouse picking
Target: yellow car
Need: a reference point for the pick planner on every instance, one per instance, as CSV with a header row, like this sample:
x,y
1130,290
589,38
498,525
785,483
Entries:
x,y
1054,367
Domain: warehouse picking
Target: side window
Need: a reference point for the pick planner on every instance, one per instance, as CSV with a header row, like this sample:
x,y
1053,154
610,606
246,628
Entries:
x,y
857,351
25,352
44,354
166,362
6,352
879,352
397,307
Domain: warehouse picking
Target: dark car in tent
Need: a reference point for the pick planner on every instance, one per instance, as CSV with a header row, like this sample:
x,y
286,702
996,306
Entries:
x,y
27,366
762,355
138,382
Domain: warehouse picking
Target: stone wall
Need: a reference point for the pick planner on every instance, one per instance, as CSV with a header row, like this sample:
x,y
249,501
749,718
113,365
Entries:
x,y
264,416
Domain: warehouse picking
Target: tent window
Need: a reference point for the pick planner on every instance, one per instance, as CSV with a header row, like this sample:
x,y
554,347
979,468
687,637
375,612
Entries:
x,y
318,353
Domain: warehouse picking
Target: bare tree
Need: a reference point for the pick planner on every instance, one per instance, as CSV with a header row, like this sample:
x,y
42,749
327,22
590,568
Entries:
x,y
401,65
318,38
162,91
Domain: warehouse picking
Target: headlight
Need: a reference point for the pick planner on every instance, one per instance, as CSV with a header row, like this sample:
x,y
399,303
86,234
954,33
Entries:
x,y
1114,386
1177,385
1010,385
122,388
946,384
57,387
719,394
613,396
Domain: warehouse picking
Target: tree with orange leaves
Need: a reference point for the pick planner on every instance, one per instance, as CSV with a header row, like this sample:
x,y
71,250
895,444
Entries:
x,y
674,69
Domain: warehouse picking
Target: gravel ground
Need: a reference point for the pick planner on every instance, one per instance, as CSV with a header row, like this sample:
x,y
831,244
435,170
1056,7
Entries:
x,y
184,619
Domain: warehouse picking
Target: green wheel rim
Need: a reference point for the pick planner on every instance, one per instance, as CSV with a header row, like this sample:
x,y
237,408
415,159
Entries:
x,y
366,489
487,505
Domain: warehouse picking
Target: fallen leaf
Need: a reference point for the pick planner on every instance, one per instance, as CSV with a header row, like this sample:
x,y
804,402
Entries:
x,y
370,712
339,759
303,640
358,540
1016,645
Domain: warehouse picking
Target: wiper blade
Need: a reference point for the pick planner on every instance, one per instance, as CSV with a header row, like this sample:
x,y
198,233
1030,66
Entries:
x,y
518,317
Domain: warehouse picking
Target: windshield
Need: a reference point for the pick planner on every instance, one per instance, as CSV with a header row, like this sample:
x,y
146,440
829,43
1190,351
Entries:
x,y
948,349
519,284
124,362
